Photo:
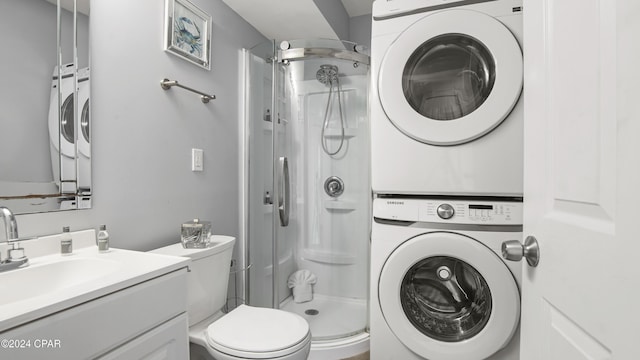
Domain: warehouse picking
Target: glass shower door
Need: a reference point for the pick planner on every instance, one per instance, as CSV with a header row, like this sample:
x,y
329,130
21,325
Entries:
x,y
269,212
258,193
328,129
307,185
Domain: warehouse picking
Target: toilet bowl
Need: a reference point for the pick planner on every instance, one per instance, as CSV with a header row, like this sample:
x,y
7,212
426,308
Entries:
x,y
246,332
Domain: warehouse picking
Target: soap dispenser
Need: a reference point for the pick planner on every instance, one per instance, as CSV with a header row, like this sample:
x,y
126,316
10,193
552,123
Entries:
x,y
66,242
103,239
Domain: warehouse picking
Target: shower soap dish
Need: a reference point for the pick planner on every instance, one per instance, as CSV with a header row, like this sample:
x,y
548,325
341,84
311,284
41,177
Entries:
x,y
195,234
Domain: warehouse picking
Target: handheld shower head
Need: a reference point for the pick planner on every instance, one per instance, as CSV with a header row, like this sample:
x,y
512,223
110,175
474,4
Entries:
x,y
327,74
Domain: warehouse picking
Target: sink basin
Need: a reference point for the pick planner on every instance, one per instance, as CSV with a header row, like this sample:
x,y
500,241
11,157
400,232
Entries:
x,y
53,283
43,278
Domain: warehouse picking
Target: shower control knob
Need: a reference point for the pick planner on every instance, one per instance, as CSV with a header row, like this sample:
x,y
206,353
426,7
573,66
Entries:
x,y
445,211
334,186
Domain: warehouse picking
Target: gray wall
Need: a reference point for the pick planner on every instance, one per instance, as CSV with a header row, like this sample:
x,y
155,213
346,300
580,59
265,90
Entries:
x,y
336,16
356,29
360,30
142,135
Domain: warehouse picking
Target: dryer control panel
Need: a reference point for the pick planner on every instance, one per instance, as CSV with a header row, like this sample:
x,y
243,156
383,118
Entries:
x,y
449,211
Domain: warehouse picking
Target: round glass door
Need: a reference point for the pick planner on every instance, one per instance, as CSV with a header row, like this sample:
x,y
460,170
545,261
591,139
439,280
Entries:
x,y
68,124
448,77
446,298
451,77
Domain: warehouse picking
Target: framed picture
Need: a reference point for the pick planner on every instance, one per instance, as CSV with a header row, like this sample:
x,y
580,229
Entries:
x,y
187,31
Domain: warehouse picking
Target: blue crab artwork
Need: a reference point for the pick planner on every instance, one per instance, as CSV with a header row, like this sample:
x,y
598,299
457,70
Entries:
x,y
187,36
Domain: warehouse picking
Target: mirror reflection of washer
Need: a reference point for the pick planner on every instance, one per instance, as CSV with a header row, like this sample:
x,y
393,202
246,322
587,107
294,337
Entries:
x,y
84,135
62,131
439,287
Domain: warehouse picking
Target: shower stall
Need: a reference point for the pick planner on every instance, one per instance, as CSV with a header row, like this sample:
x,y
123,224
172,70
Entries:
x,y
306,197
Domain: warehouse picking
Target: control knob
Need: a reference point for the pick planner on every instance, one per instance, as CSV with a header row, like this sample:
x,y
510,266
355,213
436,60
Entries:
x,y
445,211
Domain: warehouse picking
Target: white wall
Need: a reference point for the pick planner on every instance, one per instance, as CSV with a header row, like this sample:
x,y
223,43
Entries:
x,y
142,135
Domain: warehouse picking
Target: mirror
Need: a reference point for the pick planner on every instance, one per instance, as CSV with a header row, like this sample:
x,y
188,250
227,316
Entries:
x,y
45,139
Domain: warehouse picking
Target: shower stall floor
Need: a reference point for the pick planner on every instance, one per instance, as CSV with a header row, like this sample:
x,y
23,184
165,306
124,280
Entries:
x,y
330,317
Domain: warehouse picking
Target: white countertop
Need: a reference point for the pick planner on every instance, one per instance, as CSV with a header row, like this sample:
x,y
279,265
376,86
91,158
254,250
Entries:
x,y
92,275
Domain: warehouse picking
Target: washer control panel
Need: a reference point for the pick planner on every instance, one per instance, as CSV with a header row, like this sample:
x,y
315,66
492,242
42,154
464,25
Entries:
x,y
449,211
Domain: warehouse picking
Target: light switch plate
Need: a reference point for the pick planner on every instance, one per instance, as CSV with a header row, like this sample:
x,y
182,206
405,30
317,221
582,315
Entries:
x,y
197,160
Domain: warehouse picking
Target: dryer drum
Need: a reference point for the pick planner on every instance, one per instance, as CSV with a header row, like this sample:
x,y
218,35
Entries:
x,y
448,77
449,308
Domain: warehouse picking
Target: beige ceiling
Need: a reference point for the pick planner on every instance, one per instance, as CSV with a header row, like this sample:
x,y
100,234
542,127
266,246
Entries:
x,y
357,7
293,19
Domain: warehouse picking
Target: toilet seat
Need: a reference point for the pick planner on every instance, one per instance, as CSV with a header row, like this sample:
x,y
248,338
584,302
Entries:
x,y
258,333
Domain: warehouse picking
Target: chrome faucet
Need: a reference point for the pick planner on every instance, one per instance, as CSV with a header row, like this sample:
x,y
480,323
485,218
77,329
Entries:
x,y
11,226
15,256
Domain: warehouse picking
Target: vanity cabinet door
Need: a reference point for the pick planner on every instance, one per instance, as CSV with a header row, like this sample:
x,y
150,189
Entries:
x,y
168,341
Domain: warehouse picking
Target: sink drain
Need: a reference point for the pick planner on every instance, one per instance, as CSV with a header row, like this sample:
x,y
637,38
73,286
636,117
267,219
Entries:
x,y
312,312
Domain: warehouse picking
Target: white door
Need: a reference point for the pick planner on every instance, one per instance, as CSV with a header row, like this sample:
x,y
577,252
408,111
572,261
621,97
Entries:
x,y
582,179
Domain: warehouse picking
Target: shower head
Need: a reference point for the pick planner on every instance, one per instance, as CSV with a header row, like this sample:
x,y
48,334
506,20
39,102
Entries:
x,y
327,74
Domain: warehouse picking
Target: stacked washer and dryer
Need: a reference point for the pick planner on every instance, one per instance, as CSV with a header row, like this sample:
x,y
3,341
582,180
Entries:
x,y
447,133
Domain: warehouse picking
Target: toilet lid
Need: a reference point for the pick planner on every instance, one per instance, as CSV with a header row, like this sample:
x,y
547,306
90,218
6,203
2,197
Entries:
x,y
259,331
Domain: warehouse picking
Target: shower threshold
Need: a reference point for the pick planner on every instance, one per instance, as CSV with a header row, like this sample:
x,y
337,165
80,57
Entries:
x,y
337,326
330,317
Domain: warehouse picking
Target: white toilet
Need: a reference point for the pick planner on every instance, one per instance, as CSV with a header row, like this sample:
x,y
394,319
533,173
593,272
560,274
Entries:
x,y
244,333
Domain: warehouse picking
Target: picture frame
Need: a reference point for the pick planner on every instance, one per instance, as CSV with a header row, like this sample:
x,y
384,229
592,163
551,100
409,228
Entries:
x,y
187,32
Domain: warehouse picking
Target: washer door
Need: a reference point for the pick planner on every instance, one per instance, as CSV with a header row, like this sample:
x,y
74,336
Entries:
x,y
451,77
447,296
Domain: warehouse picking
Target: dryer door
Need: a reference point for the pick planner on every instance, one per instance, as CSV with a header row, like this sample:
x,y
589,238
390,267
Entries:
x,y
447,296
451,77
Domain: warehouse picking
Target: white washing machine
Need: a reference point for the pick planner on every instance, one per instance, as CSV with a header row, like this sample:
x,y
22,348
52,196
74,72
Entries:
x,y
446,105
439,288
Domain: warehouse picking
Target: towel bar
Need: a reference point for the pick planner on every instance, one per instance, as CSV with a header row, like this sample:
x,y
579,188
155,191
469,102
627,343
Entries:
x,y
166,84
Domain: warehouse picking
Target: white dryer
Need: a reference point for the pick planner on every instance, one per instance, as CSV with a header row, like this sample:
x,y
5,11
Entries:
x,y
439,288
446,105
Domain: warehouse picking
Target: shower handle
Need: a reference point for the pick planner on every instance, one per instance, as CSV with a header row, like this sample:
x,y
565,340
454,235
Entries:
x,y
284,193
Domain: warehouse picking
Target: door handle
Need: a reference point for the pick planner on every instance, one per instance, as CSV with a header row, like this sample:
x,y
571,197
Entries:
x,y
513,250
283,194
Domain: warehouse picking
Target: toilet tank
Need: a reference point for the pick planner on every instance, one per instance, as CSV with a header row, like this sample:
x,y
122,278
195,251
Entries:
x,y
208,277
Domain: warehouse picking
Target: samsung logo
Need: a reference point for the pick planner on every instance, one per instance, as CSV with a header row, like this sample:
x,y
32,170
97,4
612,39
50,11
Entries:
x,y
390,202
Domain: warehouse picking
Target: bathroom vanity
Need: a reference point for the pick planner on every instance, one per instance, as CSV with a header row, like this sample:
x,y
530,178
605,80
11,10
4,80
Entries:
x,y
89,305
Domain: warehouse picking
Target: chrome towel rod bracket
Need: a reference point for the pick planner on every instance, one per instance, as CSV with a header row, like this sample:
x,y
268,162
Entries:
x,y
166,84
